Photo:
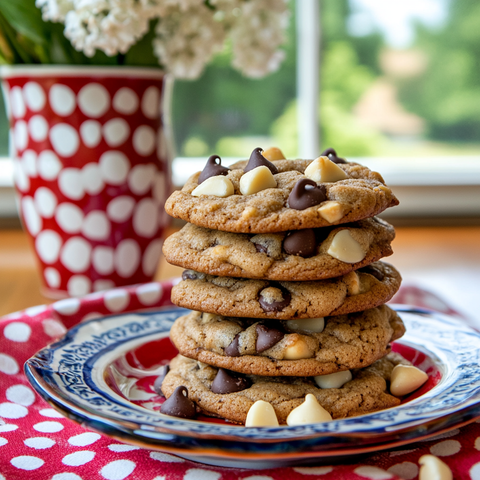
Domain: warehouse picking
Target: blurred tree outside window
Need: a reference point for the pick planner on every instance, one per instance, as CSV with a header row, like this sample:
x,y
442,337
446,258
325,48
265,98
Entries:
x,y
402,83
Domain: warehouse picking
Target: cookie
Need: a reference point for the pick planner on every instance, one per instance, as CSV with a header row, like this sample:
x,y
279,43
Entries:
x,y
236,297
292,202
296,256
288,348
365,393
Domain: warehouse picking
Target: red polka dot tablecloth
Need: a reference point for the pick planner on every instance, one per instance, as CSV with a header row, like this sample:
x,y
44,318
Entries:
x,y
38,443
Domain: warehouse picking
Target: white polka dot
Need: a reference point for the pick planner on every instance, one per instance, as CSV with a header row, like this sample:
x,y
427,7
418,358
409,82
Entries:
x,y
92,179
8,364
79,285
164,457
114,167
20,177
34,311
52,328
151,257
445,448
144,139
145,218
64,139
49,165
78,458
258,477
405,470
16,102
39,443
66,476
102,260
151,102
50,413
38,128
125,101
372,473
118,469
62,100
69,306
3,441
450,433
84,439
20,133
45,201
117,300
30,215
149,293
200,474
96,225
29,160
27,462
120,209
75,254
127,257
47,245
140,178
93,100
116,132
8,427
48,427
91,133
12,410
313,470
122,448
70,183
101,285
475,472
34,96
17,331
69,217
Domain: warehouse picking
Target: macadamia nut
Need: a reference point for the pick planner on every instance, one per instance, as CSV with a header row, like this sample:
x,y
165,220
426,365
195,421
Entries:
x,y
256,180
298,350
331,211
307,325
345,248
273,153
323,170
405,379
218,186
334,380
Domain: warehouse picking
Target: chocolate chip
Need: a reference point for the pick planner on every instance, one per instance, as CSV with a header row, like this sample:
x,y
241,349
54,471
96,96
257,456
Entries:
x,y
301,242
306,193
189,275
258,160
178,404
372,270
212,169
157,386
261,248
274,305
232,349
267,336
332,155
226,382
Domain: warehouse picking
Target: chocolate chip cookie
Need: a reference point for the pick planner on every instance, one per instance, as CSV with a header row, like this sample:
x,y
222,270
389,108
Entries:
x,y
288,348
310,254
365,393
359,290
280,196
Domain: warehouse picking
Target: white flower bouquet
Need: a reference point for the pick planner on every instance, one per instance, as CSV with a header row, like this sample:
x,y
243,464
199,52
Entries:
x,y
179,36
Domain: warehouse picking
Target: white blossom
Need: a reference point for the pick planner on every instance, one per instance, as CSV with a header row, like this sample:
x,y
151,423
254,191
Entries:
x,y
54,10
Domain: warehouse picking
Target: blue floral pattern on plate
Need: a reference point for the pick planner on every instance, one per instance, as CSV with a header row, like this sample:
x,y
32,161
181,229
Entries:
x,y
70,374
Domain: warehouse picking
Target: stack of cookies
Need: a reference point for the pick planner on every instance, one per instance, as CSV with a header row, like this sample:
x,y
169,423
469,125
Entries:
x,y
288,323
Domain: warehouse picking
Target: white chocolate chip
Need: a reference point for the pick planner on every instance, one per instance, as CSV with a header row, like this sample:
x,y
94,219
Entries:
x,y
333,380
219,186
219,251
405,379
261,414
353,283
273,153
298,350
310,411
432,468
307,325
322,170
331,211
345,248
256,180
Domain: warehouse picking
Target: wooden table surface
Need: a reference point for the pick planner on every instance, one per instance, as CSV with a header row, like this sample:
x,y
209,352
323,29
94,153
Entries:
x,y
443,260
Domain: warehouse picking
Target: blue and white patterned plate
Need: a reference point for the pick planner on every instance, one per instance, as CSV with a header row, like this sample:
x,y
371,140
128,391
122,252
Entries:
x,y
80,376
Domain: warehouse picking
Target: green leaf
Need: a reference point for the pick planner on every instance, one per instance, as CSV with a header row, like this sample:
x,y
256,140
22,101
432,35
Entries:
x,y
25,18
141,54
